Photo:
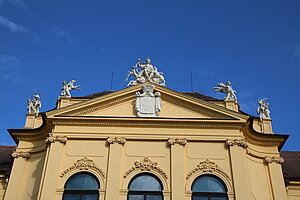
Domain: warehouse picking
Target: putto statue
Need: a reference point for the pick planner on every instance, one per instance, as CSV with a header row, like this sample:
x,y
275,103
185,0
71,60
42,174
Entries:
x,y
34,105
226,89
145,72
263,109
67,87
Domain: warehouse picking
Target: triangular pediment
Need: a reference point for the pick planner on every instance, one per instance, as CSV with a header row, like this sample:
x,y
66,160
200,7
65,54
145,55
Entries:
x,y
122,104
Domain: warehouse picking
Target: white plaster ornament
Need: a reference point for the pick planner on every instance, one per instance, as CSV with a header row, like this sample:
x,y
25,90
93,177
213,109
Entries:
x,y
148,103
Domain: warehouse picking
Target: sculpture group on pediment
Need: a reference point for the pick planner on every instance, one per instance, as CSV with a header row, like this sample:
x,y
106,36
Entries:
x,y
263,109
67,87
226,89
34,105
145,72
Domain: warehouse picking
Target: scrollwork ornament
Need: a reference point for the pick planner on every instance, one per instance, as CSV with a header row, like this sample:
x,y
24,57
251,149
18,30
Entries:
x,y
119,140
240,142
17,154
53,139
206,166
278,160
84,164
180,141
146,165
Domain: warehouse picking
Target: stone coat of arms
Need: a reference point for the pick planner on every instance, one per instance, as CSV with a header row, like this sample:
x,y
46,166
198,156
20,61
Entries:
x,y
148,103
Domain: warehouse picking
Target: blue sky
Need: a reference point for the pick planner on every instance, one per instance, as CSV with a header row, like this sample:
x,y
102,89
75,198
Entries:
x,y
254,44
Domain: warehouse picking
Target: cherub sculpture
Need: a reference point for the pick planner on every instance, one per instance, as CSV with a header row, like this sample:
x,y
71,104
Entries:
x,y
145,72
226,89
263,109
33,105
67,87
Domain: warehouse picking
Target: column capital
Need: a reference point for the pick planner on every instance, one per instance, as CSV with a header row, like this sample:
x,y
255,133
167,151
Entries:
x,y
276,159
180,141
119,140
17,154
240,142
53,139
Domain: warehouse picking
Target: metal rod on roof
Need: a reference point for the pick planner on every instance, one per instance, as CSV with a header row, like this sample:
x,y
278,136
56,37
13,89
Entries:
x,y
111,81
192,88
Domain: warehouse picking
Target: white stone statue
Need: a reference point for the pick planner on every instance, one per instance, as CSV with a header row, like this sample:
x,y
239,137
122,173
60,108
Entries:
x,y
263,109
67,87
148,103
34,105
226,89
145,72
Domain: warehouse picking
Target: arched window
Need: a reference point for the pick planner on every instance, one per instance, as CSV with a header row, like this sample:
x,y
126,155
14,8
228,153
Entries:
x,y
81,186
208,187
145,187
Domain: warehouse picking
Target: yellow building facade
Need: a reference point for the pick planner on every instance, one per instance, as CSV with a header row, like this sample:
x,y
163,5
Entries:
x,y
97,147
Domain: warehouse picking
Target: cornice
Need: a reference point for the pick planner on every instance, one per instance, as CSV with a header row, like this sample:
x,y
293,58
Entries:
x,y
144,122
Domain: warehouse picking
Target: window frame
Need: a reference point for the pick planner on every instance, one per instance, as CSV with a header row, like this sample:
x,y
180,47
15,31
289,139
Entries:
x,y
81,192
209,195
145,193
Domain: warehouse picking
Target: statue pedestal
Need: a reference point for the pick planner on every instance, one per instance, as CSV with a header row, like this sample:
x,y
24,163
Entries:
x,y
33,121
63,101
232,105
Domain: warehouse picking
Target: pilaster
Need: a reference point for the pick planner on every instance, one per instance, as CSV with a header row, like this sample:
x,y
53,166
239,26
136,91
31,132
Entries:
x,y
276,176
177,168
15,181
114,167
52,171
239,169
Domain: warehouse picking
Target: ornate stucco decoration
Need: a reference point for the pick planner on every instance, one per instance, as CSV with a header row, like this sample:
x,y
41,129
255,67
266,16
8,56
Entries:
x,y
278,160
34,105
226,89
84,164
53,139
146,165
263,109
119,140
67,87
240,142
145,72
148,103
180,141
18,154
206,167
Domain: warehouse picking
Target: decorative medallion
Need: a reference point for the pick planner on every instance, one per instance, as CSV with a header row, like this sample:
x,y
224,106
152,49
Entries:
x,y
83,164
146,165
206,166
148,103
